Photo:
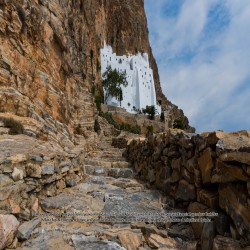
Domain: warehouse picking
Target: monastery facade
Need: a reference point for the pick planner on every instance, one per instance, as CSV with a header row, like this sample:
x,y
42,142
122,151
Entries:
x,y
140,91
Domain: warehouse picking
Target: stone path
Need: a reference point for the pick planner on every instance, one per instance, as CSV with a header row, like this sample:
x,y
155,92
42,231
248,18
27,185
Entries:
x,y
109,210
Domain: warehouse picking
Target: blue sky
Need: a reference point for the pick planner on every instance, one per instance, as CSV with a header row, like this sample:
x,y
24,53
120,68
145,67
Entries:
x,y
202,48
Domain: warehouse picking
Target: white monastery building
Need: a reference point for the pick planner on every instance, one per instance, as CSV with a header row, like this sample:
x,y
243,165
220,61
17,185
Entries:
x,y
140,91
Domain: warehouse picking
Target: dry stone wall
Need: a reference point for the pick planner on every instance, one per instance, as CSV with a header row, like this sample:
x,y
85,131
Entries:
x,y
198,173
26,179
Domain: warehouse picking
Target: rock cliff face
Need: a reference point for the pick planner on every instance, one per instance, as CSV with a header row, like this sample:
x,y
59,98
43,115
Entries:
x,y
50,57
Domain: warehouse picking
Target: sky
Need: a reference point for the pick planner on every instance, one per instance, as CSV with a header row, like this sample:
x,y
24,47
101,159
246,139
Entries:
x,y
202,49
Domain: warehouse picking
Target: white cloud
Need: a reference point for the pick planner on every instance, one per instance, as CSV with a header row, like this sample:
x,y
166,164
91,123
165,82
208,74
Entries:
x,y
206,85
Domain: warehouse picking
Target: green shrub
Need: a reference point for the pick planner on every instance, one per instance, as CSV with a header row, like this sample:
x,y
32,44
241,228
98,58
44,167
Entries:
x,y
98,66
151,111
150,129
162,116
124,126
136,129
97,127
138,111
93,89
98,102
108,116
178,123
14,126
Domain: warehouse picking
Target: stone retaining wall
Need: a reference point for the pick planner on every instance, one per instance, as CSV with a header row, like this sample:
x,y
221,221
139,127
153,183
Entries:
x,y
207,172
25,179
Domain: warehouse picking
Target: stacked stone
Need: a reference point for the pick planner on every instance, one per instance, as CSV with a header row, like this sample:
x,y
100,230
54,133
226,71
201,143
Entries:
x,y
201,173
26,179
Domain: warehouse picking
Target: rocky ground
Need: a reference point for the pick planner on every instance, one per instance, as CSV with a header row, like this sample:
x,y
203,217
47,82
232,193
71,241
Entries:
x,y
110,196
89,196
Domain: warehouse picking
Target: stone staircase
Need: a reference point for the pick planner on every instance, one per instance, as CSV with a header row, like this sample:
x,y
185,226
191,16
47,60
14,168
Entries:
x,y
87,110
106,155
109,209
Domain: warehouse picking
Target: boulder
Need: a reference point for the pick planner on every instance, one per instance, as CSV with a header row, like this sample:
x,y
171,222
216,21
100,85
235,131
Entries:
x,y
197,207
25,230
232,141
234,146
242,157
151,175
15,208
146,229
224,173
83,242
200,141
5,192
33,170
222,223
25,214
206,165
72,180
5,180
48,169
209,197
221,242
121,172
34,206
156,242
130,240
187,175
181,230
8,227
36,158
176,163
17,174
185,191
191,164
197,178
208,235
233,198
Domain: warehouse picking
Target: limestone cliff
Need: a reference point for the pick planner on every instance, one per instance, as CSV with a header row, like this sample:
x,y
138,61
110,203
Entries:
x,y
50,57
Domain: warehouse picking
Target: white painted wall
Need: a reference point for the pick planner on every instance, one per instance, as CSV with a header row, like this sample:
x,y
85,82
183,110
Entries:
x,y
140,91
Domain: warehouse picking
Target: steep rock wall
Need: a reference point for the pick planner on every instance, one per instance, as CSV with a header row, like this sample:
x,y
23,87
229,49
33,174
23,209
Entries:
x,y
50,57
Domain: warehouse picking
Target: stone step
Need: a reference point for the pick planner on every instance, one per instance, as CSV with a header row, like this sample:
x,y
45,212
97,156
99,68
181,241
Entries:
x,y
86,112
87,124
106,163
103,155
105,171
111,153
